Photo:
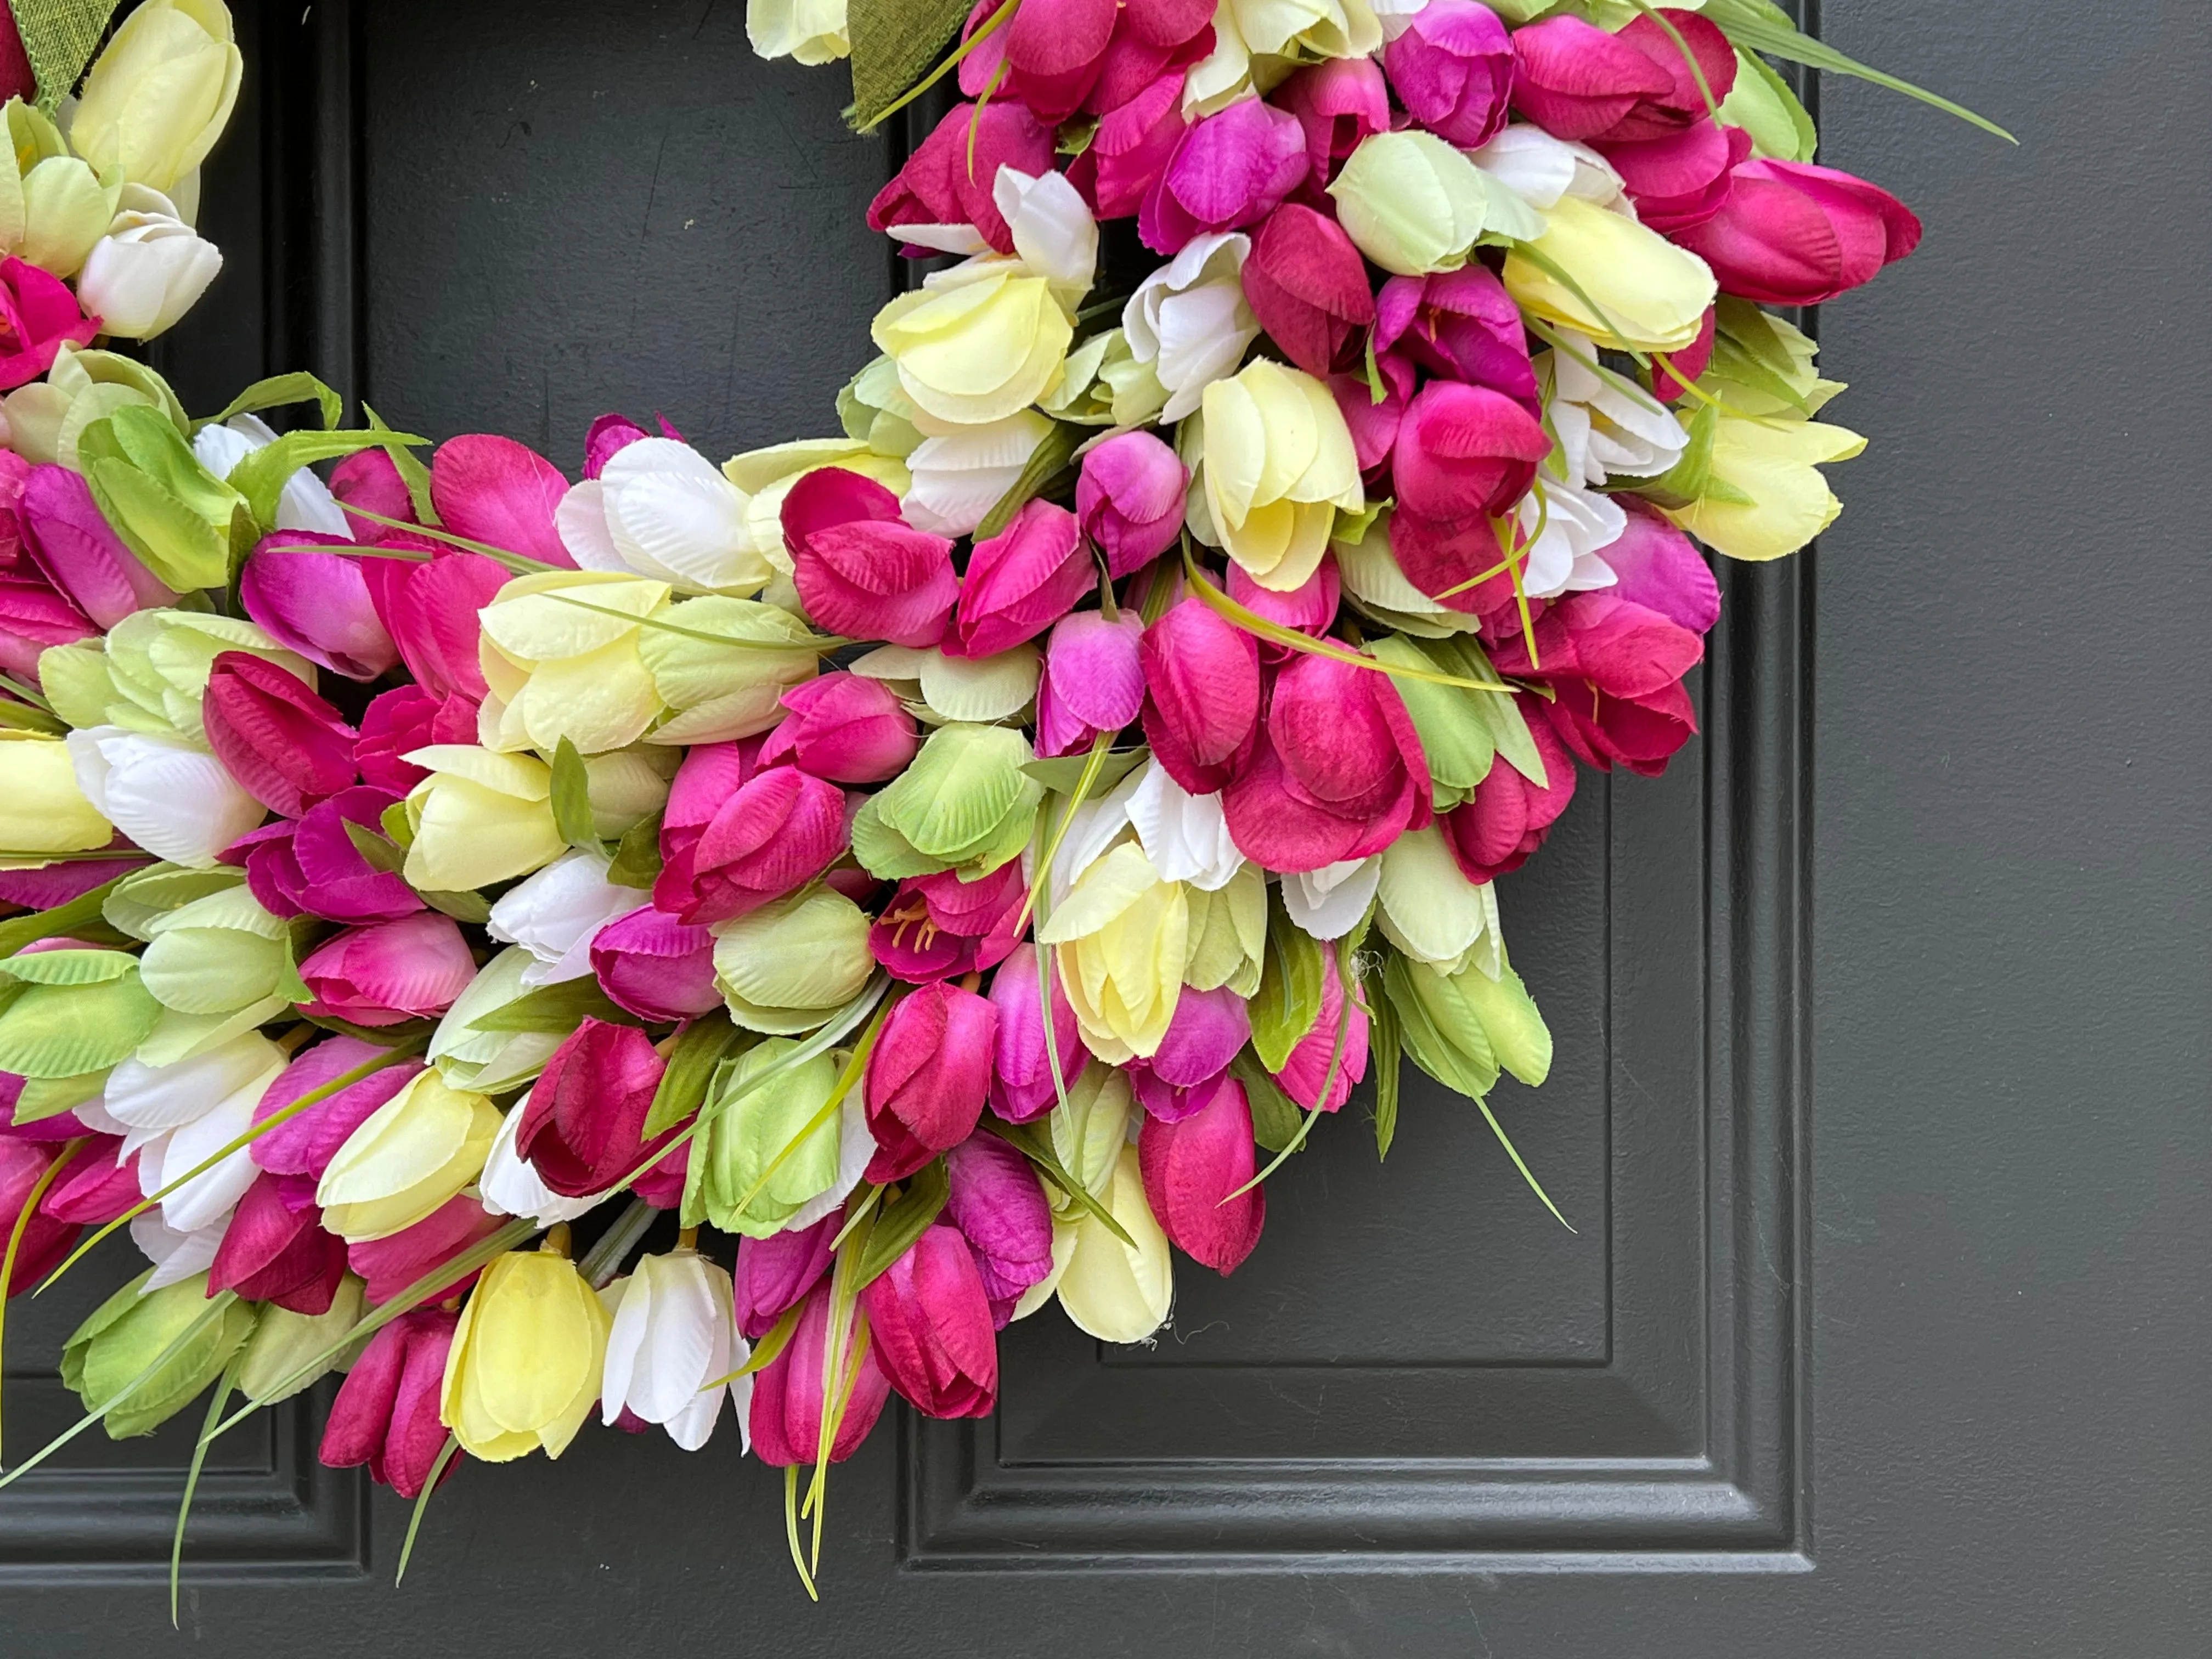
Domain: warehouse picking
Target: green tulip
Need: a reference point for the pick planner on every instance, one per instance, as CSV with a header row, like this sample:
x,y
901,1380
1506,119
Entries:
x,y
118,1347
787,967
743,1131
964,803
283,1342
1413,204
175,515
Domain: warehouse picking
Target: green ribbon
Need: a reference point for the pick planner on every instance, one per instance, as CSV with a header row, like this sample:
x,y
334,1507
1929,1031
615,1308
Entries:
x,y
59,37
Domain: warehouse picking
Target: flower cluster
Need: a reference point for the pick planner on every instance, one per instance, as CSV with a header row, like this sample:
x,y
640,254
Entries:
x,y
944,864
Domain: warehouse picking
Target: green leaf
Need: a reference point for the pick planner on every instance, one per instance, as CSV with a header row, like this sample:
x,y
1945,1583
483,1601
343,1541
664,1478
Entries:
x,y
469,905
894,43
62,921
1761,25
572,798
430,1484
1052,458
561,1007
1276,1120
380,853
275,391
690,1069
1510,1021
1438,1031
1288,1001
261,477
412,472
1060,775
637,855
45,1098
900,1223
68,966
1763,104
396,827
1382,1065
1453,724
65,1030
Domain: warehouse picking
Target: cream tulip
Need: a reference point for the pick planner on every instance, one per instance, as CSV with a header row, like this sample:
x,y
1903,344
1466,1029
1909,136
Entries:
x,y
1109,1290
408,1157
1276,463
1124,937
42,807
160,91
1654,293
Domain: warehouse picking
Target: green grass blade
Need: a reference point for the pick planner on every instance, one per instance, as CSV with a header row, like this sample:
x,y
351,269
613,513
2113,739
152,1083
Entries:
x,y
1527,1175
423,1502
215,1402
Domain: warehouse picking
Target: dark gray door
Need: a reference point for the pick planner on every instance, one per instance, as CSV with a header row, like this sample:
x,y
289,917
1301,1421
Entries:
x,y
1882,1116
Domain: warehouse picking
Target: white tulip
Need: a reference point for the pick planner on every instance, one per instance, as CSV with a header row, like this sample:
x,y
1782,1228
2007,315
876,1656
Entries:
x,y
1054,233
510,1186
555,915
1188,319
1570,527
1328,903
305,503
179,1115
661,509
1607,426
959,477
149,270
674,1332
176,1256
1185,835
174,799
1541,170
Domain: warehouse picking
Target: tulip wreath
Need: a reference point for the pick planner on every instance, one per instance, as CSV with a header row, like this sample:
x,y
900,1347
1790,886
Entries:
x,y
947,863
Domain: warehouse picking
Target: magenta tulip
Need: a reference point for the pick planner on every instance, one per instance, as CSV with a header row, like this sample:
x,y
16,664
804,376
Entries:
x,y
1231,169
1132,65
778,832
860,570
1337,103
1576,80
304,1144
73,545
1053,52
612,433
430,612
844,727
1309,608
33,617
1307,285
583,1125
1338,1035
1374,426
1338,772
390,1265
657,966
317,605
1452,70
1020,581
1457,325
1201,696
774,1274
1093,681
930,1321
1129,500
58,883
1465,451
1657,567
788,1394
938,186
314,867
1615,668
1505,819
1684,178
98,1186
998,1206
496,491
386,1414
662,1186
1132,149
271,1252
709,774
45,1240
37,316
286,746
1022,1085
390,972
1192,1165
1207,1031
927,1077
370,480
937,928
1796,235
399,721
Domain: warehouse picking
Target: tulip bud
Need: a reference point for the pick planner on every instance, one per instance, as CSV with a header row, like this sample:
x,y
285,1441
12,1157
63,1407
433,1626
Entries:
x,y
1022,1075
788,1392
555,914
998,1204
290,1349
430,611
288,747
393,1264
1201,695
401,721
41,317
1308,608
175,800
1506,817
557,672
747,1125
304,1144
776,1270
670,1344
1110,1291
76,550
964,803
657,508
525,1360
318,606
1189,324
948,179
1307,286
479,818
939,927
1123,934
490,1059
1192,1165
1792,234
1577,81
787,967
1414,204
134,1328
392,972
181,1115
582,1126
1231,169
315,867
1279,463
46,1239
1021,581
1464,452
1337,102
271,1252
1135,142
1654,293
1210,1028
979,342
930,1321
656,967
1129,499
149,270
408,1157
927,1077
100,1185
843,728
386,1414
160,91
862,572
42,807
779,831
1451,69
1054,54
1093,682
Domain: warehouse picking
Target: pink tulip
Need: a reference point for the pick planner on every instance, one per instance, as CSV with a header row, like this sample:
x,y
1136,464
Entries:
x,y
62,1126
1207,1031
1167,23
1093,681
1689,363
939,927
45,1240
844,727
710,774
1231,169
390,972
1374,426
1458,326
1129,500
430,611
1307,285
303,1145
390,1265
1684,178
999,1207
272,1253
930,1321
1308,608
370,479
386,1414
286,746
1021,1070
399,721
98,1186
583,1125
58,883
786,1413
1338,772
496,491
1201,696
655,965
313,868
1796,235
1308,1066
662,1186
1054,50
1657,567
1190,1168
1465,451
927,1077
612,433
774,1274
33,617
1131,149
1452,69
778,832
1576,80
1494,831
860,571
317,605
1615,668
1338,103
72,545
38,315
1132,65
937,184
1020,581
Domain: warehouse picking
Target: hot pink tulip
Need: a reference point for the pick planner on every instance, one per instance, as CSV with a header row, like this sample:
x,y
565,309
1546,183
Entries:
x,y
786,1414
303,1145
1020,581
927,1077
38,315
72,545
583,1126
1452,70
1338,103
1615,668
860,570
58,883
1576,80
1201,696
1307,285
286,746
999,1207
1796,235
98,1186
317,605
1373,425
1458,326
1053,52
390,1265
774,1274
1684,178
496,491
1132,65
844,727
1021,1069
930,1321
938,186
271,1252
937,928
657,966
778,832
1129,500
371,479
710,774
1494,830
1465,451
1657,567
391,972
45,1241
1131,150
1309,608
386,1414
399,721
33,617
430,611
1308,1066
1190,1168
1093,681
1338,772
612,433
313,868
1231,169
1208,1029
